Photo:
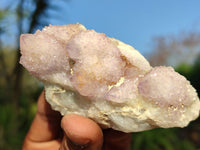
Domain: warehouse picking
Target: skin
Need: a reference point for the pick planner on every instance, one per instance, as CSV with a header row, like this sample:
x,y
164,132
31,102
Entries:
x,y
72,132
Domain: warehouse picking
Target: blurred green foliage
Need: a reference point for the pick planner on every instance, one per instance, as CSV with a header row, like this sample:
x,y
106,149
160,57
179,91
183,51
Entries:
x,y
16,119
14,122
14,125
160,139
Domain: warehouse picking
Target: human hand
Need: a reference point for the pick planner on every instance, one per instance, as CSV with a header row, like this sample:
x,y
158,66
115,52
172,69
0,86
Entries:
x,y
80,133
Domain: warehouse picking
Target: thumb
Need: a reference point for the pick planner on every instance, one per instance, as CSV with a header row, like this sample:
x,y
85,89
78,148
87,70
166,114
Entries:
x,y
80,133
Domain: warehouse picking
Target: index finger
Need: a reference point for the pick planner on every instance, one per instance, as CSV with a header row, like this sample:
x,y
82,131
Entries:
x,y
46,124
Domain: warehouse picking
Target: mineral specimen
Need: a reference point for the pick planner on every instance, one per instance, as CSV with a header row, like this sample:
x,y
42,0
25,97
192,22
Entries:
x,y
87,73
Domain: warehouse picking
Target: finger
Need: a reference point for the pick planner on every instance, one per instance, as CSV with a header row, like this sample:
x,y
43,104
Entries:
x,y
51,145
116,140
68,144
46,124
81,133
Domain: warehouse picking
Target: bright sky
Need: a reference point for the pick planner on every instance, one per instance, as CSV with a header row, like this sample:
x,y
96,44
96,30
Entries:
x,y
134,22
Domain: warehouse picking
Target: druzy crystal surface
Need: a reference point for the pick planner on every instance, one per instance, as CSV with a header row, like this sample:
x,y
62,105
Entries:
x,y
102,78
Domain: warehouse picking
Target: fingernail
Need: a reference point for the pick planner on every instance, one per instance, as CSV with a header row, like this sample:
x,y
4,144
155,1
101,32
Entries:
x,y
75,146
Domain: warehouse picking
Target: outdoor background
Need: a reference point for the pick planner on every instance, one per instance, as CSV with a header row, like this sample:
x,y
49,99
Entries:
x,y
165,32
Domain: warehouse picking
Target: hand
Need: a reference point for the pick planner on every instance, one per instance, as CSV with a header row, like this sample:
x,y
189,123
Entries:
x,y
79,132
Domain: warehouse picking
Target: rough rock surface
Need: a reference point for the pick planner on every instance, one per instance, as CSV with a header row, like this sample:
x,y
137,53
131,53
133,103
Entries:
x,y
102,78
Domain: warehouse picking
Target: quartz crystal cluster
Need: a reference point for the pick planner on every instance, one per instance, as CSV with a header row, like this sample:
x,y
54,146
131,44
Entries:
x,y
102,78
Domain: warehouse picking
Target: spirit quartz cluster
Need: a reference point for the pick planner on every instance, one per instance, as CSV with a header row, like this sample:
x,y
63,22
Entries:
x,y
102,78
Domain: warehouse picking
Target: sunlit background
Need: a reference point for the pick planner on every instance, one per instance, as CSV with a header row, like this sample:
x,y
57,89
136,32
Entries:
x,y
165,32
